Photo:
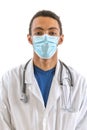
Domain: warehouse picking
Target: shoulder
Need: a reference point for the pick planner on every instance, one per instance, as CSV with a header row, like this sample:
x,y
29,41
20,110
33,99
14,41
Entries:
x,y
13,72
11,76
77,77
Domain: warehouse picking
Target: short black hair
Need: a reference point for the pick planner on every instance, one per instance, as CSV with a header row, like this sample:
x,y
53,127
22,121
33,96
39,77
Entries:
x,y
46,13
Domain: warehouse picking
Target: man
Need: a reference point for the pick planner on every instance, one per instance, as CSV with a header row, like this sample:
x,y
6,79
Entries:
x,y
54,95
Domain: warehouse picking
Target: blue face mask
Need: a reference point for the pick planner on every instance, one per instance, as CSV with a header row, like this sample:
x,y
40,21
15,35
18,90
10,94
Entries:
x,y
45,46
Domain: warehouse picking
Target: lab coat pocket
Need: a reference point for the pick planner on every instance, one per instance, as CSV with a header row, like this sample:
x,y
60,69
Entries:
x,y
68,119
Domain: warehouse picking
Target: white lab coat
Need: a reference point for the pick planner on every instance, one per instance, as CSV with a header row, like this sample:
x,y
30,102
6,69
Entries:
x,y
17,115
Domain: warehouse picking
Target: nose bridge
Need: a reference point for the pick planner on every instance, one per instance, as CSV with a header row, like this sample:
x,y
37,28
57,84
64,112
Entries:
x,y
46,31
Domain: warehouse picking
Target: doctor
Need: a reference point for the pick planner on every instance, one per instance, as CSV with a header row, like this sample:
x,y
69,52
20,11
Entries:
x,y
45,94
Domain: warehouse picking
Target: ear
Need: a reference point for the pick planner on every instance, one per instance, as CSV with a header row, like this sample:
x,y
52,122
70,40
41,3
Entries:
x,y
29,38
61,39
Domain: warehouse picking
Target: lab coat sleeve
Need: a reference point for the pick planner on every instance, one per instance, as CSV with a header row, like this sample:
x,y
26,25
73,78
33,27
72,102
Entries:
x,y
5,118
82,119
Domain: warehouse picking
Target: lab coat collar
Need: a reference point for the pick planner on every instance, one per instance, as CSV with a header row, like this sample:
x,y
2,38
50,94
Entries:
x,y
29,74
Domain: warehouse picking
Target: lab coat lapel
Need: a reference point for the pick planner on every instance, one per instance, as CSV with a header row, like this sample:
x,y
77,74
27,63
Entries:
x,y
54,95
55,90
31,82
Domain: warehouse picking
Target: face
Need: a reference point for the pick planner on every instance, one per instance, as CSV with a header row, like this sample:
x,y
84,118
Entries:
x,y
45,25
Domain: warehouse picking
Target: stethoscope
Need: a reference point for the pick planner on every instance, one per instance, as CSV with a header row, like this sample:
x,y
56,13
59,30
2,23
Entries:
x,y
24,97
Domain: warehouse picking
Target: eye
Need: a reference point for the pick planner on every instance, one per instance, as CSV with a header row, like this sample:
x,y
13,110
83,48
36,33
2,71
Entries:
x,y
38,33
52,33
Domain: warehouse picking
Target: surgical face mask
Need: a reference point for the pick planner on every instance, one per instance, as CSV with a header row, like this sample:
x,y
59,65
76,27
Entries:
x,y
45,46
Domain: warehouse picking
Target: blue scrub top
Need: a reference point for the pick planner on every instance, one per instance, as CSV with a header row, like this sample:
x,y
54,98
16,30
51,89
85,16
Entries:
x,y
44,80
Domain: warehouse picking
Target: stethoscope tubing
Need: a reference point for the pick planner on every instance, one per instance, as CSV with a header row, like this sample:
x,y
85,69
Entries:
x,y
24,97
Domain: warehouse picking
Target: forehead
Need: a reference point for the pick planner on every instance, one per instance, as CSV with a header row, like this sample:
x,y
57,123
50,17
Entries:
x,y
44,22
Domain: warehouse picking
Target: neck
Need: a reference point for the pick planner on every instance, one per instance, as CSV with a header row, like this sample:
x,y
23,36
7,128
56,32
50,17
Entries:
x,y
45,64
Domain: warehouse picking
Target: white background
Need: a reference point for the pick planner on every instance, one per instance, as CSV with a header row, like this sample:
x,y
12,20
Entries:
x,y
14,23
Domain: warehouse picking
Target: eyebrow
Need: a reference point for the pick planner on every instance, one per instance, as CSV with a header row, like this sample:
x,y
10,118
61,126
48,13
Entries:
x,y
43,29
52,28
